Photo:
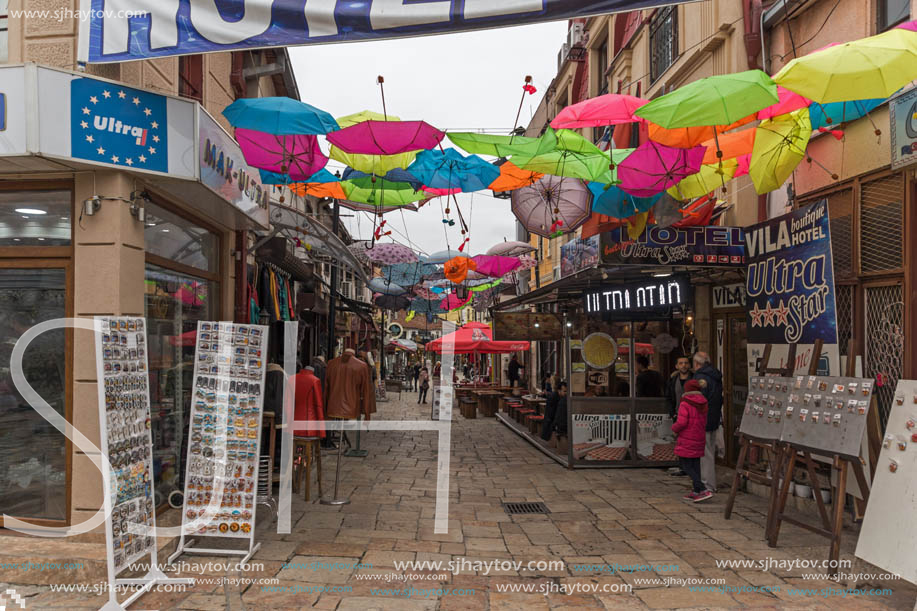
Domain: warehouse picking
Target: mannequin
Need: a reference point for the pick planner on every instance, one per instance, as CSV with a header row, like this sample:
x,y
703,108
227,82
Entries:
x,y
349,391
308,405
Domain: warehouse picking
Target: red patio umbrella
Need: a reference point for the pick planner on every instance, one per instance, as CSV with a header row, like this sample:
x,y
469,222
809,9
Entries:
x,y
475,338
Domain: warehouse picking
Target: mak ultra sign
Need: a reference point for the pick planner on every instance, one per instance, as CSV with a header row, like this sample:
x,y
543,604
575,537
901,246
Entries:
x,y
637,297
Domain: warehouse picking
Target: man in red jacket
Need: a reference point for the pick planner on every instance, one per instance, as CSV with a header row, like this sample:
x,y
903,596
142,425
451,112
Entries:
x,y
691,431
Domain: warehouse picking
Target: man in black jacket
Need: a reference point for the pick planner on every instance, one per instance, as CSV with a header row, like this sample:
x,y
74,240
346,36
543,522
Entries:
x,y
555,412
674,386
513,371
711,382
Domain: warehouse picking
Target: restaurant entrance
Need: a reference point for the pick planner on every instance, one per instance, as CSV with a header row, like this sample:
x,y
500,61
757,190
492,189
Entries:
x,y
730,356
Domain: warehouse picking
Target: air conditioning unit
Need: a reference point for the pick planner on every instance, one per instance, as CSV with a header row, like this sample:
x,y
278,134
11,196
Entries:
x,y
562,56
347,289
575,35
556,273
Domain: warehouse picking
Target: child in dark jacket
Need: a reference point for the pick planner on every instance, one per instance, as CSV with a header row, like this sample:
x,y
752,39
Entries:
x,y
690,427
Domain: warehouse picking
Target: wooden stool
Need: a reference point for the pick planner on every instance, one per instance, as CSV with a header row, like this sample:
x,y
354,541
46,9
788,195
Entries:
x,y
522,413
535,422
469,408
306,451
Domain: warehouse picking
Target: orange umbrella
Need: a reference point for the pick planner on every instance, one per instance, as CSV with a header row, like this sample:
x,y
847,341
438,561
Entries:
x,y
456,269
732,145
513,177
686,137
326,189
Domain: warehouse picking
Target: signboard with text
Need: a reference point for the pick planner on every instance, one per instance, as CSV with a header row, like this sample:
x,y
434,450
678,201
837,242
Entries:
x,y
708,246
902,114
654,295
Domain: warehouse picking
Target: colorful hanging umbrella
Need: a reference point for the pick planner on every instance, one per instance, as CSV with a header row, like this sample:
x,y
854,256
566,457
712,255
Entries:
x,y
444,255
835,113
458,268
408,274
454,302
381,193
391,253
396,175
585,166
707,180
872,67
279,116
503,146
323,176
371,164
510,249
386,137
615,202
553,204
299,157
667,210
381,285
744,165
332,190
450,169
779,147
496,266
392,302
716,100
375,208
908,25
653,168
789,101
731,145
526,262
512,177
608,109
686,137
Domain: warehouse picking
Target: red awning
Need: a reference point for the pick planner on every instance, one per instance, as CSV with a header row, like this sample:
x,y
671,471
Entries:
x,y
475,338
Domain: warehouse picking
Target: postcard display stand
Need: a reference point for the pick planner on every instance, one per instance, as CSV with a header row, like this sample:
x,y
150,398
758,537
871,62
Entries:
x,y
888,536
126,439
824,416
225,438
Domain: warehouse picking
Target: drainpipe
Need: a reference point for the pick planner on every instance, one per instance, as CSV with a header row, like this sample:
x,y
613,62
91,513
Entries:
x,y
751,12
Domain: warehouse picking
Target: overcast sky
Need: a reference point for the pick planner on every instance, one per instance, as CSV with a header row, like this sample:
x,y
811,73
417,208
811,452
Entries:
x,y
457,82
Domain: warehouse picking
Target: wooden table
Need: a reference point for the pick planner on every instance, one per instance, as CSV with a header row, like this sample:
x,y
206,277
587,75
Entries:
x,y
534,402
488,402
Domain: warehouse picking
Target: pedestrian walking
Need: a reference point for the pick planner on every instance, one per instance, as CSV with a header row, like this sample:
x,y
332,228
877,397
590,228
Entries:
x,y
690,429
424,385
415,375
513,371
711,385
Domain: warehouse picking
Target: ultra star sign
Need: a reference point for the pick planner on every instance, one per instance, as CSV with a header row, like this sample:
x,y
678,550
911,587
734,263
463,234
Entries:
x,y
118,125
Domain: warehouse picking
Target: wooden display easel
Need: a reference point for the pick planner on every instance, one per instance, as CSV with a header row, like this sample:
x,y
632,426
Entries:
x,y
772,447
831,528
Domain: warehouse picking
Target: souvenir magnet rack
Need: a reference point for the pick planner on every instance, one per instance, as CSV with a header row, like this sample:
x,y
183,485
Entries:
x,y
860,402
126,439
225,437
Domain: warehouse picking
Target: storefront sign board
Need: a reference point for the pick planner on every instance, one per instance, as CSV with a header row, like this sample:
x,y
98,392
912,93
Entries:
x,y
903,118
579,254
888,536
652,295
13,89
224,171
728,296
790,288
702,246
138,29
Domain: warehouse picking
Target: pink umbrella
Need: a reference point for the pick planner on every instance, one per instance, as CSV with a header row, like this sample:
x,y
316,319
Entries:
x,y
452,302
789,101
909,25
496,266
744,163
510,249
553,204
608,109
652,168
439,192
391,253
386,137
298,156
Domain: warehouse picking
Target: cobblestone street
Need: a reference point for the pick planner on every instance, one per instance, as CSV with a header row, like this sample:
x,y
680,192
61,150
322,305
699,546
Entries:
x,y
597,517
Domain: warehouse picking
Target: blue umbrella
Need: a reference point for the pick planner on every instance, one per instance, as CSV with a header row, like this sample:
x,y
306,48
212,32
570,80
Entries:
x,y
381,285
276,178
615,202
396,175
840,112
444,255
279,116
450,169
426,306
408,274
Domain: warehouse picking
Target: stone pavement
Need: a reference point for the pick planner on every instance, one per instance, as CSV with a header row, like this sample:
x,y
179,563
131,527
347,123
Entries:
x,y
598,518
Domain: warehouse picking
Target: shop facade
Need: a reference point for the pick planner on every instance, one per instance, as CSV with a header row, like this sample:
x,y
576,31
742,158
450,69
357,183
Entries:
x,y
115,201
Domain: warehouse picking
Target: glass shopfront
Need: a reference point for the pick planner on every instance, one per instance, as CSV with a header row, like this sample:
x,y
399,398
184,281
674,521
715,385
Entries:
x,y
182,287
35,272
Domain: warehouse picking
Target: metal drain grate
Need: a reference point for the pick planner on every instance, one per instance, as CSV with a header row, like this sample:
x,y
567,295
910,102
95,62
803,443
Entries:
x,y
525,508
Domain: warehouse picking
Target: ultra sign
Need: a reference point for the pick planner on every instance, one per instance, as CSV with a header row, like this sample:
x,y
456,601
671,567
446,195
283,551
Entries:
x,y
638,297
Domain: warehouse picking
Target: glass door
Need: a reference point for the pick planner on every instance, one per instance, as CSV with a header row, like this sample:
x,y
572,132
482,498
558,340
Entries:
x,y
735,379
33,454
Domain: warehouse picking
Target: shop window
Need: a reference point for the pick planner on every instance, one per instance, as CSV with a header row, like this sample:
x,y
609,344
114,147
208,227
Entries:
x,y
35,218
601,67
172,237
191,77
844,306
4,32
881,224
884,341
663,41
891,13
840,213
33,454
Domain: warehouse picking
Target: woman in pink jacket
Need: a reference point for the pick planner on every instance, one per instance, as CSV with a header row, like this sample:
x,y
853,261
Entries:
x,y
690,427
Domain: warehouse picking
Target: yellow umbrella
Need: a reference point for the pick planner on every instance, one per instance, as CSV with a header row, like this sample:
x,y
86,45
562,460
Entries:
x,y
705,181
780,145
370,164
873,67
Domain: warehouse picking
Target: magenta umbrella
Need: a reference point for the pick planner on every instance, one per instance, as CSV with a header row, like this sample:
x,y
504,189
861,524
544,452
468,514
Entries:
x,y
386,137
789,101
453,301
391,253
496,266
652,168
510,249
553,204
297,156
909,25
608,109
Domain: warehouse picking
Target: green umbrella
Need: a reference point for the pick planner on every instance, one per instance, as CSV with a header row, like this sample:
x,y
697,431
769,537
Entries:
x,y
381,193
590,166
503,146
716,100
